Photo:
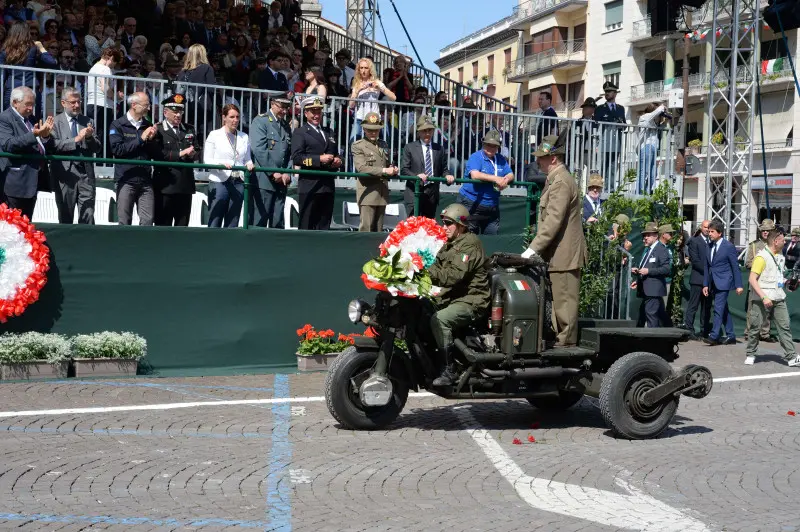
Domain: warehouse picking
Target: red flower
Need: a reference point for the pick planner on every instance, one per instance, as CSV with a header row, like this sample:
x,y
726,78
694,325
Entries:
x,y
516,441
417,260
791,413
310,335
531,439
370,333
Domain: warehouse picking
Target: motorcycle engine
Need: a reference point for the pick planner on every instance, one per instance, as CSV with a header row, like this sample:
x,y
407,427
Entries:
x,y
375,391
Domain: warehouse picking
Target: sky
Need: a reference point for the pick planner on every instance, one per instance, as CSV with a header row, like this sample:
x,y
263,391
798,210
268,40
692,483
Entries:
x,y
432,24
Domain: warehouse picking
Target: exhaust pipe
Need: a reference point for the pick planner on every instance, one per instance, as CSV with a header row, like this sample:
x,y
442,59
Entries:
x,y
474,357
532,373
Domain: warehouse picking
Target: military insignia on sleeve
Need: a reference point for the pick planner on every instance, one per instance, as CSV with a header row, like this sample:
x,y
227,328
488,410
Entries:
x,y
465,258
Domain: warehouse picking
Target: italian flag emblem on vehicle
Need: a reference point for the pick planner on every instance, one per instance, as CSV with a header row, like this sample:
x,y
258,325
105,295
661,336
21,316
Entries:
x,y
464,258
520,285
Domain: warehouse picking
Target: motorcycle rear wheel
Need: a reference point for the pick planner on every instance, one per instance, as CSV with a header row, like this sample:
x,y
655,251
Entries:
x,y
342,397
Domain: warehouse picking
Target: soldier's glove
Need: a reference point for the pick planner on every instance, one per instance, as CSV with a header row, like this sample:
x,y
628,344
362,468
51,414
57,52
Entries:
x,y
528,253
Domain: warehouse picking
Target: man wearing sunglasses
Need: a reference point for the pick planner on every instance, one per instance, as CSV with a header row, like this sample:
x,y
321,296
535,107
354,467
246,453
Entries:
x,y
460,271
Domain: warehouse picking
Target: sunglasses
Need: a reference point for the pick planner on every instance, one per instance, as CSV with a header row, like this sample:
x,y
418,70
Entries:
x,y
447,223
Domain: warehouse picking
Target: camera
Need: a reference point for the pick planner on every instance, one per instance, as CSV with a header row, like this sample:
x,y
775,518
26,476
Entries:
x,y
667,115
792,281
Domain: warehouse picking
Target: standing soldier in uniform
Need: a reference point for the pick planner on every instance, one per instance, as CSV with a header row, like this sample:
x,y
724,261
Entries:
x,y
174,187
371,156
753,249
460,271
611,117
559,238
270,142
314,148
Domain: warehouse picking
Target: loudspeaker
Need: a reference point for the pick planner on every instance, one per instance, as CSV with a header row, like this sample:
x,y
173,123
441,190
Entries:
x,y
789,11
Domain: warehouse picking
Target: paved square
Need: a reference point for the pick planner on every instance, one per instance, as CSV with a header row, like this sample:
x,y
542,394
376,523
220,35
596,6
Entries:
x,y
262,452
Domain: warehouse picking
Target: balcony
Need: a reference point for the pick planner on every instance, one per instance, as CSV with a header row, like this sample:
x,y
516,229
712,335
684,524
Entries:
x,y
640,31
533,9
564,56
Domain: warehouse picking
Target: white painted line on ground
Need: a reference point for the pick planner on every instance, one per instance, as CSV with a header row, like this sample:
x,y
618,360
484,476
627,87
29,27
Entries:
x,y
636,510
237,402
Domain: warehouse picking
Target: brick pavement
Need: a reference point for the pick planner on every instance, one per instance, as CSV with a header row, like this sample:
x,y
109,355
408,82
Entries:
x,y
728,461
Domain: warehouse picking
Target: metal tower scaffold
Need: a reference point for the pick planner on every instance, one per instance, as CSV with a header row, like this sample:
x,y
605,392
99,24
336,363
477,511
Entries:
x,y
361,17
731,115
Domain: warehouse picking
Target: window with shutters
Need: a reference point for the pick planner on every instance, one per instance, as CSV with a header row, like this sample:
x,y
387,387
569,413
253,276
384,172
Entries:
x,y
474,70
491,66
461,74
611,72
507,53
613,15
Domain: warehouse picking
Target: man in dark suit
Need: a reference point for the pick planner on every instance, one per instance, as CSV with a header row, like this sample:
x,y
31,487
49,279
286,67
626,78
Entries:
x,y
721,275
592,204
128,33
585,128
314,148
174,187
20,136
270,142
424,159
612,117
547,126
698,256
651,287
271,79
791,251
74,183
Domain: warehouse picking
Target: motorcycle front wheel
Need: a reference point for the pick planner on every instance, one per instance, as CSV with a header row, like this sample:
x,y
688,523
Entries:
x,y
345,374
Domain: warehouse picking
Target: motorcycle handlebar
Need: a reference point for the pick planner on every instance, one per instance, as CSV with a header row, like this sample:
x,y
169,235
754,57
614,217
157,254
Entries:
x,y
514,260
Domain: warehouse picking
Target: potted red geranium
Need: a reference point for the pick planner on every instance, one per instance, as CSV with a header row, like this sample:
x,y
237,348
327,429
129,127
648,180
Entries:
x,y
318,348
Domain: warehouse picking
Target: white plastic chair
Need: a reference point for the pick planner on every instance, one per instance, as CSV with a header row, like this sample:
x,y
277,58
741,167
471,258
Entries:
x,y
196,215
290,205
46,209
102,206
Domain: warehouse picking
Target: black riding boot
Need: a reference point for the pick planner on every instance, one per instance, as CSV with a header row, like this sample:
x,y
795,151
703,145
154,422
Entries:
x,y
448,375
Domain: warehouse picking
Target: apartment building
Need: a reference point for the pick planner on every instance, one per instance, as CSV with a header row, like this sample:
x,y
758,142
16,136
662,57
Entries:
x,y
570,47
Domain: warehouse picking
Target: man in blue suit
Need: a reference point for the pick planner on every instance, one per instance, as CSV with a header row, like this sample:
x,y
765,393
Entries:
x,y
651,287
698,256
720,277
592,204
19,135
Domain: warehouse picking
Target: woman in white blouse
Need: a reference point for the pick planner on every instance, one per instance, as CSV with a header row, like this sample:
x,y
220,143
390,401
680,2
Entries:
x,y
228,147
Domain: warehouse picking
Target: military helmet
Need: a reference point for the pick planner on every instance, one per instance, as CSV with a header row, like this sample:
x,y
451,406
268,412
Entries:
x,y
457,213
796,231
372,121
622,219
766,225
595,180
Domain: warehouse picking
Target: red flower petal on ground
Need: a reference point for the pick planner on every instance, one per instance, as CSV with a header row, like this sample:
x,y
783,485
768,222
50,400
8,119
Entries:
x,y
791,413
531,439
516,441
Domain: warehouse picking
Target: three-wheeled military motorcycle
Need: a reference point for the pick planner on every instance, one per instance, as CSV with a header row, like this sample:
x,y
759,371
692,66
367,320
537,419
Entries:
x,y
507,355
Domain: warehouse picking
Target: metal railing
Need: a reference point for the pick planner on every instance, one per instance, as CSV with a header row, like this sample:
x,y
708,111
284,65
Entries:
x,y
533,8
612,149
383,59
570,51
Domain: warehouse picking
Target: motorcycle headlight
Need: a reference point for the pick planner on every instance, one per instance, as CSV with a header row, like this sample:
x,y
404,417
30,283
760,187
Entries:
x,y
355,310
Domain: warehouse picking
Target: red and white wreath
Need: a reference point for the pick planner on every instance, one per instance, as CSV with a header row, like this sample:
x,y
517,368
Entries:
x,y
24,261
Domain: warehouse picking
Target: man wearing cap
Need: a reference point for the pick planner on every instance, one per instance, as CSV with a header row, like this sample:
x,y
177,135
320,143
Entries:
x,y
174,186
424,158
721,275
559,237
314,148
651,285
461,272
591,201
610,115
585,128
791,251
483,200
753,249
698,257
74,134
371,156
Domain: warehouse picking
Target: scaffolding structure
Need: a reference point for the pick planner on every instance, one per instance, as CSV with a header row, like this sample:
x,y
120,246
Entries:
x,y
731,115
361,20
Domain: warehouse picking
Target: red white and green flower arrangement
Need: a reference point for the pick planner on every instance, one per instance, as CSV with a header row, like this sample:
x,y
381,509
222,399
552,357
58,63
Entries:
x,y
24,262
405,256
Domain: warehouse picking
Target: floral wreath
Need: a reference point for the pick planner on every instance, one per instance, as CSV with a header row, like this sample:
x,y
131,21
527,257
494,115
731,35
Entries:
x,y
405,256
24,261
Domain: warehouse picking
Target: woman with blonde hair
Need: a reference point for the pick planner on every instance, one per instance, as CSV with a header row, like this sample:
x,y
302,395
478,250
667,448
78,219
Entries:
x,y
198,71
19,49
367,89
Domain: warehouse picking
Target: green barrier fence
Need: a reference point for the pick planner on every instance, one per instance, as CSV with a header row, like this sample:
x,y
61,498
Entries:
x,y
532,192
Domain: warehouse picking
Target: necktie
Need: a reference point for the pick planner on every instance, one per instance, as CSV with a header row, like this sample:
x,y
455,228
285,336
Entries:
x,y
713,250
646,256
74,127
596,207
428,161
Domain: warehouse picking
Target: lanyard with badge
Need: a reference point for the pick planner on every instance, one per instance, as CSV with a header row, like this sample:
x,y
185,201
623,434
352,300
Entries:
x,y
496,171
235,174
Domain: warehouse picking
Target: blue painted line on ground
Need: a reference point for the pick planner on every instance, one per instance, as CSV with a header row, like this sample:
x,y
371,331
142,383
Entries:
x,y
279,506
130,521
156,385
132,432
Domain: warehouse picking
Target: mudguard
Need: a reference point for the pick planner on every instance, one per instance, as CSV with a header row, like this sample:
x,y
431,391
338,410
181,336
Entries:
x,y
366,343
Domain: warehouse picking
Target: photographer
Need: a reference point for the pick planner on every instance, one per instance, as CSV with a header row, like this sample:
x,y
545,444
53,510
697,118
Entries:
x,y
766,280
649,123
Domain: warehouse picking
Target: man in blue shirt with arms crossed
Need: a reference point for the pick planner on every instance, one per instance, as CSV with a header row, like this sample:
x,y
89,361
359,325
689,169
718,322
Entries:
x,y
483,200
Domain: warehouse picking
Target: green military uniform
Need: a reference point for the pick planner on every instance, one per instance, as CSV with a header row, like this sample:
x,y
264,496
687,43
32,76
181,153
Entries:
x,y
560,241
754,248
460,270
372,193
